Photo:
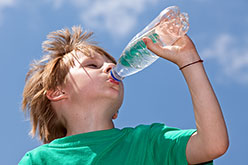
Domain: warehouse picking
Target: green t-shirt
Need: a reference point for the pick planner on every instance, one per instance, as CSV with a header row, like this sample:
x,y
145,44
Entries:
x,y
144,145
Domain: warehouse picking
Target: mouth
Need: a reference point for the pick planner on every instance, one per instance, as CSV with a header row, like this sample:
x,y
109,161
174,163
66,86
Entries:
x,y
113,81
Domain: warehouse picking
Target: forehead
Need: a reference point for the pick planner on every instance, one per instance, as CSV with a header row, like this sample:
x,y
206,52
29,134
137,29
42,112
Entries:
x,y
93,55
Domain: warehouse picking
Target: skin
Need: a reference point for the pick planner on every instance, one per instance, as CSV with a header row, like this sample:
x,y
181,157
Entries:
x,y
89,82
211,139
90,98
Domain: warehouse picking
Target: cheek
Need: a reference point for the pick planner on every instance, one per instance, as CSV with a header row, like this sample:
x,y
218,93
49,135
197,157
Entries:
x,y
78,85
84,87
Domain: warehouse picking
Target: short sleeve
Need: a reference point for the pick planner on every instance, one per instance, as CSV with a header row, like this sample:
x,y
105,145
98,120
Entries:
x,y
26,160
168,144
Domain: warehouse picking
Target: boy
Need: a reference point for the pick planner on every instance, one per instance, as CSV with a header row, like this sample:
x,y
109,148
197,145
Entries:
x,y
72,101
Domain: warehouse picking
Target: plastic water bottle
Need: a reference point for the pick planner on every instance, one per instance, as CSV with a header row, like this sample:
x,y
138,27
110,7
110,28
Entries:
x,y
165,29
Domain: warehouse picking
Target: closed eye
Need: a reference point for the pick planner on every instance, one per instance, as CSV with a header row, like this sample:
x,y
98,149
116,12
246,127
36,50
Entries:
x,y
92,66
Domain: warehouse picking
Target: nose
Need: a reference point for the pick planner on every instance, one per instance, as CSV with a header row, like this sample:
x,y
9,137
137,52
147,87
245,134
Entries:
x,y
108,67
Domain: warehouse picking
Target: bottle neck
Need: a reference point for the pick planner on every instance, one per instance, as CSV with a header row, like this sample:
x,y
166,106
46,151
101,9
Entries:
x,y
115,76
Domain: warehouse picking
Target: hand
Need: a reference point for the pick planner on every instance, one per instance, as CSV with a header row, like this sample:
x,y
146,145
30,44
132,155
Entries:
x,y
182,52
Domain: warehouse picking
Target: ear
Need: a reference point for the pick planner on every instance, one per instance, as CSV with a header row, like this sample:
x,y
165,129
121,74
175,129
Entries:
x,y
115,116
56,95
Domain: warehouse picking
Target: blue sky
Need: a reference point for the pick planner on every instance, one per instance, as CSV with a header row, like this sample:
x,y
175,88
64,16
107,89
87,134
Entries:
x,y
156,94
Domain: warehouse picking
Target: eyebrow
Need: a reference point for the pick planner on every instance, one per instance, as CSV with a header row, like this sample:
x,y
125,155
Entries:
x,y
102,56
81,65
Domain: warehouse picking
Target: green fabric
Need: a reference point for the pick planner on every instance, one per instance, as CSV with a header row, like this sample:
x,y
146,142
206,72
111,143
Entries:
x,y
144,145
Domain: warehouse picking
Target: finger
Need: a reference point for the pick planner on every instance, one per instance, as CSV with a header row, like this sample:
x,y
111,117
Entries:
x,y
166,52
155,48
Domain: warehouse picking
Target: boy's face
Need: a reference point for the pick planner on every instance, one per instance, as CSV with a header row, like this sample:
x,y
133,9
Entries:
x,y
89,81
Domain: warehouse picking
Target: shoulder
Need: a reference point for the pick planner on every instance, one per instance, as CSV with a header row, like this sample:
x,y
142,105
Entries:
x,y
161,132
144,126
26,159
151,129
32,155
140,128
158,128
173,132
155,129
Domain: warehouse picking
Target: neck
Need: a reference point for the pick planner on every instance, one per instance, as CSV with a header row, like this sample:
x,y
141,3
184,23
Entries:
x,y
78,126
88,119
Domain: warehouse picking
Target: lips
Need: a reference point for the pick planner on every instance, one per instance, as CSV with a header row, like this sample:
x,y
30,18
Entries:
x,y
113,81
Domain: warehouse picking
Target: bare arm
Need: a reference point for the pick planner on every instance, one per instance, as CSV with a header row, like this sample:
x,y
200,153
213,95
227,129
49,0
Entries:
x,y
211,139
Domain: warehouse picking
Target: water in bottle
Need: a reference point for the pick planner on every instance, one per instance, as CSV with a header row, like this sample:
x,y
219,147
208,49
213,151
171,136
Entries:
x,y
164,30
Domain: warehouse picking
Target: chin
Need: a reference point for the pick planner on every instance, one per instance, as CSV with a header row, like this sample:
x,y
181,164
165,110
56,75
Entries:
x,y
115,92
116,97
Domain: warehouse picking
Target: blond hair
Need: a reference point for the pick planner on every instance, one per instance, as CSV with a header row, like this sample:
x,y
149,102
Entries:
x,y
48,74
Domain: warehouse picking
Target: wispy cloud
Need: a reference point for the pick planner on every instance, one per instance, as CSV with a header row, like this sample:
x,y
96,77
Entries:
x,y
115,17
5,4
56,3
231,53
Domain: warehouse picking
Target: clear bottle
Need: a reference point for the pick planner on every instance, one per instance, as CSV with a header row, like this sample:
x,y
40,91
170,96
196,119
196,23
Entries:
x,y
165,29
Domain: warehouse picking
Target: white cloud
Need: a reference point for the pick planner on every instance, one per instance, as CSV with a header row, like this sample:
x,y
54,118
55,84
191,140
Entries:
x,y
56,3
4,4
231,53
117,17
